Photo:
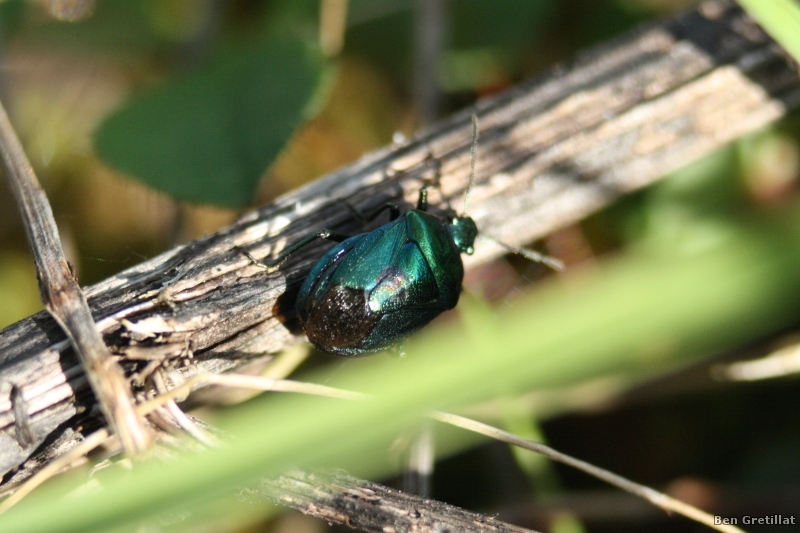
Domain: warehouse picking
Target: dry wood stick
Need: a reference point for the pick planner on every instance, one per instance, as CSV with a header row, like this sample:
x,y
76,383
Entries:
x,y
551,151
340,498
64,299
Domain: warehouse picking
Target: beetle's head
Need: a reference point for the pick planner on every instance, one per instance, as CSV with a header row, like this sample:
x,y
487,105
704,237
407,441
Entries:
x,y
464,232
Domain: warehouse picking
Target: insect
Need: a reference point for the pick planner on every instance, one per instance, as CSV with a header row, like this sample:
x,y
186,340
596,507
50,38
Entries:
x,y
372,290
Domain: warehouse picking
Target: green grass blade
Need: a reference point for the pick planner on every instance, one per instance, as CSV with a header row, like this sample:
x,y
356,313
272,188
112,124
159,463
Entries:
x,y
639,312
779,18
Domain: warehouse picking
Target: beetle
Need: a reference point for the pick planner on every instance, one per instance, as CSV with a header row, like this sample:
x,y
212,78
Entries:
x,y
372,290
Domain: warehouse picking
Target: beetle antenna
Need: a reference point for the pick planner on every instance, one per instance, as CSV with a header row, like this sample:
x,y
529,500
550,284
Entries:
x,y
547,260
472,158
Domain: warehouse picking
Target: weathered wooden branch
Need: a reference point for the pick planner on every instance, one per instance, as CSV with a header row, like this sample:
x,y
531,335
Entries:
x,y
337,497
66,303
551,151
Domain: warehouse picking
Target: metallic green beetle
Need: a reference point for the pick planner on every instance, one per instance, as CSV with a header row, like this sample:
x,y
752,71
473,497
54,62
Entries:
x,y
372,290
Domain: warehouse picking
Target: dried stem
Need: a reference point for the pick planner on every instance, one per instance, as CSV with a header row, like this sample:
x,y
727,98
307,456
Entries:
x,y
659,499
63,297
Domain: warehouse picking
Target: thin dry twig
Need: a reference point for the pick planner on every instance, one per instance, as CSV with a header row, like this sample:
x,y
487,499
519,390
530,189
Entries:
x,y
167,398
88,444
183,421
249,382
653,496
63,297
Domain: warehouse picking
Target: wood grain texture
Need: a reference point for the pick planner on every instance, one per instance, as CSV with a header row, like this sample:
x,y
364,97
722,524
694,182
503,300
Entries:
x,y
339,498
552,151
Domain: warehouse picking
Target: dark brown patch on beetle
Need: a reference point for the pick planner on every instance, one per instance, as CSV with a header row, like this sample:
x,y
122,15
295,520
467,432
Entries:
x,y
340,320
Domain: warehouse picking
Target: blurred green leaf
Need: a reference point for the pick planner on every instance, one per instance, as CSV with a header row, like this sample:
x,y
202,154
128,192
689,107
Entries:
x,y
476,23
483,39
382,33
209,137
643,311
779,18
293,18
12,14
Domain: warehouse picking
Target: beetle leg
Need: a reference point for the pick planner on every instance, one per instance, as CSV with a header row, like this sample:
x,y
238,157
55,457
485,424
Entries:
x,y
273,265
422,203
436,163
252,259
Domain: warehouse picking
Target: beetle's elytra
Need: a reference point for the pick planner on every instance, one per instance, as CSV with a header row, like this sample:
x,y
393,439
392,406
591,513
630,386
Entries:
x,y
372,290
